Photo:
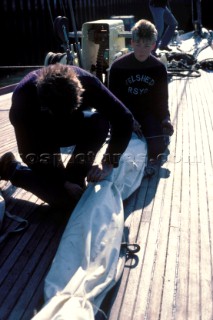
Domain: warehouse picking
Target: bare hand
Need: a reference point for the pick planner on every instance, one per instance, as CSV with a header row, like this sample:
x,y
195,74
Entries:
x,y
98,172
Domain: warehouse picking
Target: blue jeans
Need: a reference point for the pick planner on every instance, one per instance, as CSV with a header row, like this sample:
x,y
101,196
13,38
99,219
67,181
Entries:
x,y
162,17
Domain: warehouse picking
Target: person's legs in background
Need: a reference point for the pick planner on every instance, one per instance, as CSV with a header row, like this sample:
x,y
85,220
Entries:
x,y
171,24
158,17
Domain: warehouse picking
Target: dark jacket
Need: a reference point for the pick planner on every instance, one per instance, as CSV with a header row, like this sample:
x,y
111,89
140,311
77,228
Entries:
x,y
38,133
141,86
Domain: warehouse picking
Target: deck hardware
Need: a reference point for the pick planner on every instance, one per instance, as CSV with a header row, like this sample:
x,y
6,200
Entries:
x,y
131,248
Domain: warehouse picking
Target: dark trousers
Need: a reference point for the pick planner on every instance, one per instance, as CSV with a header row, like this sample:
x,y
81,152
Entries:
x,y
163,17
156,140
46,182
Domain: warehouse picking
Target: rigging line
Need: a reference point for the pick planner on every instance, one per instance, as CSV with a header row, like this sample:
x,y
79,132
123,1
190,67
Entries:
x,y
63,7
50,12
199,15
70,4
192,8
168,6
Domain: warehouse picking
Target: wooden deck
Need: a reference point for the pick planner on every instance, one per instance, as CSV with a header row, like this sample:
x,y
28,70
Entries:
x,y
170,216
172,219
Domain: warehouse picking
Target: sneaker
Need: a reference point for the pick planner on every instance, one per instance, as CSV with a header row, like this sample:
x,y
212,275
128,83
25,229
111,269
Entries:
x,y
165,48
8,164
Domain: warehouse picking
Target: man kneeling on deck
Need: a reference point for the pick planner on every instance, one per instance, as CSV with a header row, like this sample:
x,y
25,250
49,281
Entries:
x,y
51,108
139,80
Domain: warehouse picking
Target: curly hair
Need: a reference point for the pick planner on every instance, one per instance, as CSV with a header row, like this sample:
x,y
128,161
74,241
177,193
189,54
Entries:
x,y
59,89
144,30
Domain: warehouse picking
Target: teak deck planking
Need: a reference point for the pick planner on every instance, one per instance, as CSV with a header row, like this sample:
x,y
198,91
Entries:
x,y
171,218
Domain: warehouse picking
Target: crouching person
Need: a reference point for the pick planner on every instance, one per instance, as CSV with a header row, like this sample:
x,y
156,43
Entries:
x,y
52,108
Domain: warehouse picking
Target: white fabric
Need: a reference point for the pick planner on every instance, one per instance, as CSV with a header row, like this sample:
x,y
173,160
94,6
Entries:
x,y
88,261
